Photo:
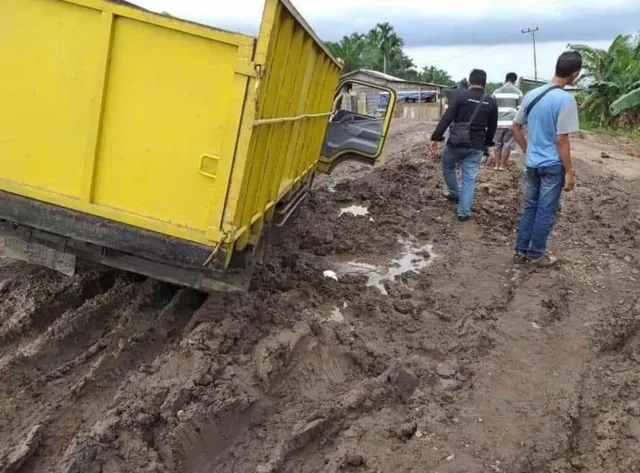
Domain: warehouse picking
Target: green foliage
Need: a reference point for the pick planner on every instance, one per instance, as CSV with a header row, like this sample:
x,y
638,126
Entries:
x,y
612,81
617,132
351,50
626,102
381,49
436,76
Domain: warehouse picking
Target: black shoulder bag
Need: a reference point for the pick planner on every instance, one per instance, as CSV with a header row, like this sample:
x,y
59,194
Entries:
x,y
460,133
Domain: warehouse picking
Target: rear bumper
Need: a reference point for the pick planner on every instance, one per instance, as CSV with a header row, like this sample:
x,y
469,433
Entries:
x,y
121,246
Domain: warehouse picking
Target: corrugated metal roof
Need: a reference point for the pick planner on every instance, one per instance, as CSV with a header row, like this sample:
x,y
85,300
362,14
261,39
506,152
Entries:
x,y
380,75
390,78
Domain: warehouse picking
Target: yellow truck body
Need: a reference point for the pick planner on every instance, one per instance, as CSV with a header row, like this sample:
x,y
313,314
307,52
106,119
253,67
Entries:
x,y
158,145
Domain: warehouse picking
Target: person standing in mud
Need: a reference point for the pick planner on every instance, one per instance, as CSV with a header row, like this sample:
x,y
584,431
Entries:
x,y
472,121
509,98
551,115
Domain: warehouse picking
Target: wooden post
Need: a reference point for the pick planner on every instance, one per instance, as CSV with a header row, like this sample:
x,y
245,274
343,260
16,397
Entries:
x,y
420,102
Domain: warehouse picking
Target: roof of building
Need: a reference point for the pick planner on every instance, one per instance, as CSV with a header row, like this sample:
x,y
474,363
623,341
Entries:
x,y
390,78
380,75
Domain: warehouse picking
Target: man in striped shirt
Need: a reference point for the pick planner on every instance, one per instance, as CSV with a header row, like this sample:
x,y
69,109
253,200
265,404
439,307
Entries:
x,y
509,98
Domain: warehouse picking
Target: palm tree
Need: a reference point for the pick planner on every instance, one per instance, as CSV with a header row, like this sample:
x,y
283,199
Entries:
x,y
350,49
385,40
436,76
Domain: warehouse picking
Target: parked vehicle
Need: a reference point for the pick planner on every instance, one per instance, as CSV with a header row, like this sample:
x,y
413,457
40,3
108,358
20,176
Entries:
x,y
161,146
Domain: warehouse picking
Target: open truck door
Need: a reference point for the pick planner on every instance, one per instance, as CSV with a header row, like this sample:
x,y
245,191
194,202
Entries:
x,y
358,126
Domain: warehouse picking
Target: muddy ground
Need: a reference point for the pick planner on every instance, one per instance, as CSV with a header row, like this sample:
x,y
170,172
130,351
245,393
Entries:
x,y
468,364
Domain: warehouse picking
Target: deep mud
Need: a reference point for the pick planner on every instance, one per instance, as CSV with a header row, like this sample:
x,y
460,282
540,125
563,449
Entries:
x,y
467,365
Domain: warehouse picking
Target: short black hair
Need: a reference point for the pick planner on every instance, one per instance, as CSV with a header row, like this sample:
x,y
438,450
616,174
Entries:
x,y
478,77
512,77
568,64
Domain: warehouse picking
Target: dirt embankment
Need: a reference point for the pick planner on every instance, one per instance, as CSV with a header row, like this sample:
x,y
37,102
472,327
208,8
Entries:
x,y
469,364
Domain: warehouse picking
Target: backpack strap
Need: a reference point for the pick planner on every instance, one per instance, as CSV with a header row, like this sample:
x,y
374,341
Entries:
x,y
540,96
475,110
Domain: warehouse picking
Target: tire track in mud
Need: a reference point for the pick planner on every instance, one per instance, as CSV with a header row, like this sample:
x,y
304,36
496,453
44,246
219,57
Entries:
x,y
537,415
39,318
606,412
73,357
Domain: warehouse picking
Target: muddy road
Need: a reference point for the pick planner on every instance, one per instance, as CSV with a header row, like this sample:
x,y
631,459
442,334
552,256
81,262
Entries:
x,y
430,353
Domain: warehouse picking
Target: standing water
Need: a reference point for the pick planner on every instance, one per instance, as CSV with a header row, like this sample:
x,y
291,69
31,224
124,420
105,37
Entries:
x,y
411,259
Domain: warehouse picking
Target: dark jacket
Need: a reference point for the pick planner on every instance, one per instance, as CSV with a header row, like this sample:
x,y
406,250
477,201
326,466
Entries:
x,y
484,125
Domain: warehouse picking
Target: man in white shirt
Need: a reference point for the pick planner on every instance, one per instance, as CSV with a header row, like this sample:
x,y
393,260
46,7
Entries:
x,y
509,98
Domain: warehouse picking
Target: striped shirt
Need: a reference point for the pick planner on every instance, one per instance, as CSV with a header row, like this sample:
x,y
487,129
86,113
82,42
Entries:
x,y
509,98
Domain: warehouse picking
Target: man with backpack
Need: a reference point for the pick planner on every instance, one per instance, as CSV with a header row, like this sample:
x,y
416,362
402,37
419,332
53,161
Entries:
x,y
551,115
472,120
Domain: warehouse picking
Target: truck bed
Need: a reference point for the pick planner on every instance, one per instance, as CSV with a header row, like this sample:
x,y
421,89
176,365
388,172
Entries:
x,y
156,125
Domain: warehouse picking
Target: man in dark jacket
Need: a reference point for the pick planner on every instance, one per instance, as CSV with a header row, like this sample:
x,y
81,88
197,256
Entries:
x,y
483,128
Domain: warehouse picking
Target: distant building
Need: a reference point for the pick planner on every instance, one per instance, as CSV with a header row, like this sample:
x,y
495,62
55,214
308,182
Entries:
x,y
411,93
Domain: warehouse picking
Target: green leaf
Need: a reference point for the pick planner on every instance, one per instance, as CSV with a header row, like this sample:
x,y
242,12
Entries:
x,y
627,101
605,84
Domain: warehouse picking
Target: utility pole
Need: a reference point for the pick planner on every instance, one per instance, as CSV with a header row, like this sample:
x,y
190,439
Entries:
x,y
533,32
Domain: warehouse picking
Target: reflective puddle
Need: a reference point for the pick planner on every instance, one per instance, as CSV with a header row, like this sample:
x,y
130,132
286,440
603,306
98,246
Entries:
x,y
354,210
411,259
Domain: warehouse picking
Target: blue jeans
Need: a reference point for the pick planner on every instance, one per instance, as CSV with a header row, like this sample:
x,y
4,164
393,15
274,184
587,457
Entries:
x,y
469,160
541,200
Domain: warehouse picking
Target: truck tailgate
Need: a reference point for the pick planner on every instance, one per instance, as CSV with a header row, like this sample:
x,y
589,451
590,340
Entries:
x,y
120,113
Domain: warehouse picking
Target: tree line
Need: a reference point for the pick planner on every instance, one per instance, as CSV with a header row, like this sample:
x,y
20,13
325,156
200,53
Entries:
x,y
381,49
611,77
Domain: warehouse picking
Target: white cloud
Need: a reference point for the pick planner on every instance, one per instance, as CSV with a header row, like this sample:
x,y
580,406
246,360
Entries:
x,y
250,11
355,15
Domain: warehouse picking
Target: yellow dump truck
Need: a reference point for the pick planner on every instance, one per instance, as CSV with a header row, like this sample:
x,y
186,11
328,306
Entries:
x,y
161,146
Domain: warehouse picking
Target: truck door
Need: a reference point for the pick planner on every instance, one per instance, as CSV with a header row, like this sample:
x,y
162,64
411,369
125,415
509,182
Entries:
x,y
359,124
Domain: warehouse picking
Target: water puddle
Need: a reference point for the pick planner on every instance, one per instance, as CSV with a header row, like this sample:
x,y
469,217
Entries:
x,y
412,259
354,210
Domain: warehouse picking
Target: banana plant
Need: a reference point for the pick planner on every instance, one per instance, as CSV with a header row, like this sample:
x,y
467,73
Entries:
x,y
627,101
612,80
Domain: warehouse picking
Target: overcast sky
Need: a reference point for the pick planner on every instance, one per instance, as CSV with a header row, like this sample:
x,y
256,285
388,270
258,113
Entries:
x,y
456,36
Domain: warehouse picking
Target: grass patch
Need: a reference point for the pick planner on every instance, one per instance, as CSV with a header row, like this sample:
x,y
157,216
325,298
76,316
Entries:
x,y
630,133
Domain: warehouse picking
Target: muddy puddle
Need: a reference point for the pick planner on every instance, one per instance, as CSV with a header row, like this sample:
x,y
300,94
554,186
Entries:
x,y
354,210
412,258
